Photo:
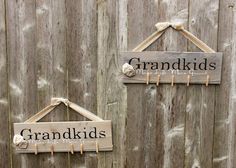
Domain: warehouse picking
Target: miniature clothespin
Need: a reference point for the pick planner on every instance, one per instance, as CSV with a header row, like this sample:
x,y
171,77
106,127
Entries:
x,y
158,79
172,79
148,77
188,80
81,148
97,147
207,80
35,149
52,150
72,148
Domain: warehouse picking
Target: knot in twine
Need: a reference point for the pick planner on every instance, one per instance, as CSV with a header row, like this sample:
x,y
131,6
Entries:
x,y
164,25
56,101
19,141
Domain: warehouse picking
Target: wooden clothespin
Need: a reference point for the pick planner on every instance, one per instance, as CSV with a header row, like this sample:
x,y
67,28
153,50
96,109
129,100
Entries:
x,y
172,79
97,147
35,149
148,77
207,79
72,148
52,149
81,148
158,79
188,80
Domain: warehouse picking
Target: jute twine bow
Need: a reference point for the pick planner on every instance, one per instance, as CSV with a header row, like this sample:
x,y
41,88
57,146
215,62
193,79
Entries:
x,y
164,25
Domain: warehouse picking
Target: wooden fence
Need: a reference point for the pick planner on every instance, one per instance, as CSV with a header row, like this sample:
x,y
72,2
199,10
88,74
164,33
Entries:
x,y
70,48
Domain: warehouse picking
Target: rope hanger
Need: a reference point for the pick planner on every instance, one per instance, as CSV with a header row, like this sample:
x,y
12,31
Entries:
x,y
55,102
162,27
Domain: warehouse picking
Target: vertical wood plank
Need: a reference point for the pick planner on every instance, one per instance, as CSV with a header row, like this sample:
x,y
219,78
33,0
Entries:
x,y
171,101
75,52
144,147
22,72
111,94
82,65
222,113
4,108
232,100
51,67
200,116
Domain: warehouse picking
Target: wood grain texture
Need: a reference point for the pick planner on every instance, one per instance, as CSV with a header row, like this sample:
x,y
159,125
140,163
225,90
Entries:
x,y
4,106
141,99
71,49
51,66
172,100
200,118
22,70
232,91
222,113
111,94
82,64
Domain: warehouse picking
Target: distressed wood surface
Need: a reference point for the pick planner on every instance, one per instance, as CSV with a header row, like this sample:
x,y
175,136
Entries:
x,y
20,17
171,101
141,100
70,49
4,104
200,116
82,63
111,94
222,114
151,62
51,66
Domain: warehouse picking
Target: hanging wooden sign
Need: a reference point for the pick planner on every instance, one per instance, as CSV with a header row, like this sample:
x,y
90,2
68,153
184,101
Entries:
x,y
70,136
171,67
162,67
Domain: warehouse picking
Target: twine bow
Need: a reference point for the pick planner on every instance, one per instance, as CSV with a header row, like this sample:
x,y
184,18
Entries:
x,y
162,26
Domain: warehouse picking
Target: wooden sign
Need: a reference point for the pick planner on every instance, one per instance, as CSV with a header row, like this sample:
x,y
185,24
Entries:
x,y
173,67
62,135
69,136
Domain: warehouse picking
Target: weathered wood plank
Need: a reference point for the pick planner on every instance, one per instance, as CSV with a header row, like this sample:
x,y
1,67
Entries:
x,y
111,94
148,149
166,64
222,113
200,118
82,64
171,101
232,91
5,160
22,70
51,66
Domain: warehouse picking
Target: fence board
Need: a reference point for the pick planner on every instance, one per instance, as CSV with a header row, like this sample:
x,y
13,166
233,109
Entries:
x,y
51,66
222,113
202,114
22,71
173,99
141,99
4,108
82,64
111,94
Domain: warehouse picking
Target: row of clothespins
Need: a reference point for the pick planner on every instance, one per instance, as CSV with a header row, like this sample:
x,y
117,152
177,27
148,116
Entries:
x,y
173,79
71,148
